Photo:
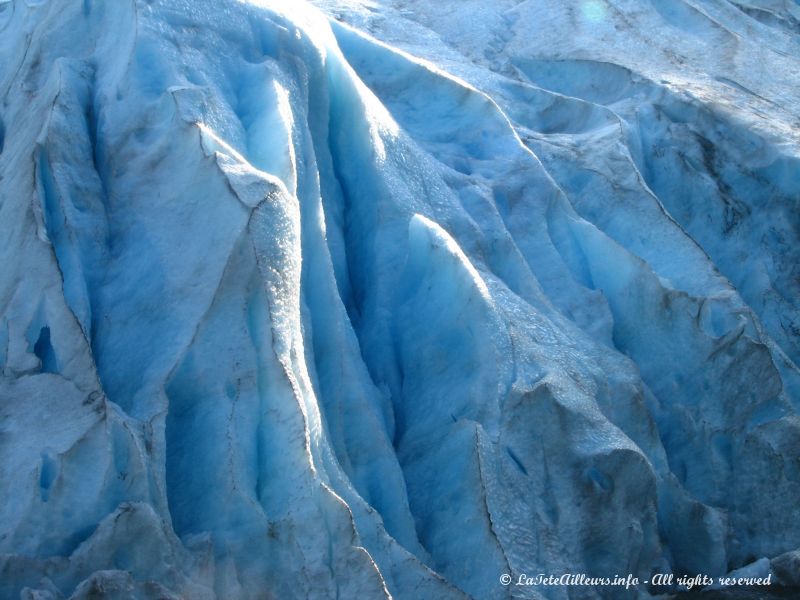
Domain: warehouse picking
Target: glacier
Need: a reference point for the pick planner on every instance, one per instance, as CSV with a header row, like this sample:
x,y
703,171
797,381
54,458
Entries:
x,y
391,298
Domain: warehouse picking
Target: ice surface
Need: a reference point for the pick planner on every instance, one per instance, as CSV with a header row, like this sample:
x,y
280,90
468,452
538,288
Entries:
x,y
388,299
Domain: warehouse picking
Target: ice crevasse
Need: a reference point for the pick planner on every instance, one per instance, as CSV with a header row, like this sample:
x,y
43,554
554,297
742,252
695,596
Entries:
x,y
290,313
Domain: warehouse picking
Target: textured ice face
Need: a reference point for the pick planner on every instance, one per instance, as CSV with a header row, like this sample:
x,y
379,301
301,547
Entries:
x,y
288,312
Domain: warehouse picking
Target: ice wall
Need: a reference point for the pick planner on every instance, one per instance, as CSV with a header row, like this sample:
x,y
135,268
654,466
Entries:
x,y
287,312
